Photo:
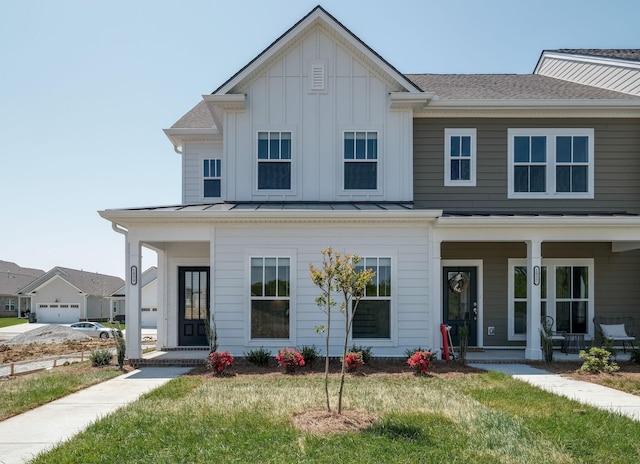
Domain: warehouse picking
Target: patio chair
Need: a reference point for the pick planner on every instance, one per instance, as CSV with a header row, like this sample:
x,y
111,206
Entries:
x,y
548,327
616,330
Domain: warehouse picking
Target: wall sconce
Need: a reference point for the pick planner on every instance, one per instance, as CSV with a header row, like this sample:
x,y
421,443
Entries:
x,y
536,275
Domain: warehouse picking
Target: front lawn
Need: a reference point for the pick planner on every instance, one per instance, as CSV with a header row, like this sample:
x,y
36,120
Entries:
x,y
479,418
9,321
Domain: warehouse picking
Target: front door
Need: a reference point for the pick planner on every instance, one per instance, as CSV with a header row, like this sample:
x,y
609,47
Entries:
x,y
460,299
193,305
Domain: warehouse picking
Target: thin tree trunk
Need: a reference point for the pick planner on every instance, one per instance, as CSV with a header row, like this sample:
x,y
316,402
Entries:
x,y
326,360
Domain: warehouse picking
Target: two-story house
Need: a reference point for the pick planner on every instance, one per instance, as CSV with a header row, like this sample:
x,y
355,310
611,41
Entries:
x,y
486,200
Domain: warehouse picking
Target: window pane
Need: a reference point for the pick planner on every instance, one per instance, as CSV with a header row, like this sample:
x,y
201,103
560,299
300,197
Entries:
x,y
521,179
581,149
455,145
538,178
285,145
563,149
539,149
349,145
274,176
520,317
580,280
521,149
270,319
563,316
563,179
579,179
270,277
579,317
543,283
520,282
263,145
455,169
563,276
360,175
384,277
372,145
465,169
372,287
466,146
256,277
372,319
212,188
206,168
274,145
361,147
284,279
218,168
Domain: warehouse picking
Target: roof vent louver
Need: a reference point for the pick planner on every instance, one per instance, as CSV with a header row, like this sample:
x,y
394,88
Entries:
x,y
317,77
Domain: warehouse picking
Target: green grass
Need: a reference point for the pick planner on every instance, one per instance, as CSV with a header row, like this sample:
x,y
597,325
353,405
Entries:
x,y
484,418
625,385
9,321
23,393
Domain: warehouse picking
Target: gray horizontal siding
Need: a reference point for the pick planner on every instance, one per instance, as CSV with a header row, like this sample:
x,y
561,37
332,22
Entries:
x,y
617,166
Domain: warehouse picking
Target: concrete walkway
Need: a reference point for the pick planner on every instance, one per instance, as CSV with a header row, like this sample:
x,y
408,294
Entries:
x,y
587,393
24,436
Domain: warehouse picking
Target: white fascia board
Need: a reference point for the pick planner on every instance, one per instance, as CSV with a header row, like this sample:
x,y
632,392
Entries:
x,y
539,221
541,103
179,136
599,60
406,100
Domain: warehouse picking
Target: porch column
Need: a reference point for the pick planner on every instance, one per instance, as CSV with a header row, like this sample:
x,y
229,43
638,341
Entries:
x,y
133,298
534,280
211,310
435,292
162,330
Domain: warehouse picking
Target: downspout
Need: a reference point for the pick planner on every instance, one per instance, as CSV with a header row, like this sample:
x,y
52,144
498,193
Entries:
x,y
175,148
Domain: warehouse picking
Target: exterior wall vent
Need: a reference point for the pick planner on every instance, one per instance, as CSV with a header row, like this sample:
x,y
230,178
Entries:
x,y
317,77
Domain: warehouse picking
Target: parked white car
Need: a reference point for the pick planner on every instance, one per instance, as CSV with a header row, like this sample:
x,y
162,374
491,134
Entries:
x,y
93,329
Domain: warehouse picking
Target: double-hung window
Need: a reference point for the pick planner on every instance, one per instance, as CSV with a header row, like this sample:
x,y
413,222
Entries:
x,y
460,157
270,297
551,163
9,304
212,178
360,160
274,160
372,318
566,295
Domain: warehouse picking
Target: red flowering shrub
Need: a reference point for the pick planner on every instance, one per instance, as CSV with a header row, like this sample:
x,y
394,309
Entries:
x,y
219,361
420,361
353,360
289,359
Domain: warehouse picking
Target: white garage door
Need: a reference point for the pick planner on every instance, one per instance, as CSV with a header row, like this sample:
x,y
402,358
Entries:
x,y
149,317
58,313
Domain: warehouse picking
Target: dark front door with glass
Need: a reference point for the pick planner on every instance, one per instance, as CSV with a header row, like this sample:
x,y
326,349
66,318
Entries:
x,y
193,305
460,299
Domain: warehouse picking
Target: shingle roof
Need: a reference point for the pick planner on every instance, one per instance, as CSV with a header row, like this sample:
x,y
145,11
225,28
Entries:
x,y
198,117
14,277
90,283
509,87
629,54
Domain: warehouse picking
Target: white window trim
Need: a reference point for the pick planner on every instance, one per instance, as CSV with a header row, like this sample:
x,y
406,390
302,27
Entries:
x,y
551,265
377,160
218,177
551,134
289,191
448,133
271,253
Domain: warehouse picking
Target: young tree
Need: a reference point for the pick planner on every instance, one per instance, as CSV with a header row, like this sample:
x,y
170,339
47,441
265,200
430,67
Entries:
x,y
339,274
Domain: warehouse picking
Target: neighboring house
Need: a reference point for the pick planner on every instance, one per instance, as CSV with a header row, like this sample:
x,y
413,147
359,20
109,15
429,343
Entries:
x,y
12,279
65,295
485,200
149,306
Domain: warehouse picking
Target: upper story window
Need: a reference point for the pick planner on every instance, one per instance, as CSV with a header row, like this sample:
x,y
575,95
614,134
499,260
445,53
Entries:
x,y
548,163
372,318
274,160
460,157
360,160
212,178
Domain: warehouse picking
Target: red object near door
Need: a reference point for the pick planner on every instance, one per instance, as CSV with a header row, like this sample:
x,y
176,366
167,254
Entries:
x,y
444,330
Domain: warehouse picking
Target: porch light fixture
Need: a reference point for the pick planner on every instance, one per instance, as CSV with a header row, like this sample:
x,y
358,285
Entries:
x,y
536,275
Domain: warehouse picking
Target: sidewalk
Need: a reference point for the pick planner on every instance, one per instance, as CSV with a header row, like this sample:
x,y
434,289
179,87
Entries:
x,y
587,393
24,436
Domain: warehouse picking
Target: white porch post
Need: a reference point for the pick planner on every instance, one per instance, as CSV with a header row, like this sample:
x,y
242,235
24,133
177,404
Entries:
x,y
212,275
435,290
162,330
534,284
133,298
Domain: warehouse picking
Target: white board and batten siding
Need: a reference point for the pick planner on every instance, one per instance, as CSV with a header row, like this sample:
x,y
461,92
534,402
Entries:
x,y
234,247
354,98
593,71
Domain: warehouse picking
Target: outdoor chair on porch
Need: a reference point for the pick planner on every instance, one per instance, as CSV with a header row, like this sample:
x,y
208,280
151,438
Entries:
x,y
616,329
548,328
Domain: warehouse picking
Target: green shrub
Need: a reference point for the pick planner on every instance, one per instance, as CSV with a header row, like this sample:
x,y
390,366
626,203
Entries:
x,y
635,355
121,346
410,352
310,355
259,357
365,351
101,357
597,360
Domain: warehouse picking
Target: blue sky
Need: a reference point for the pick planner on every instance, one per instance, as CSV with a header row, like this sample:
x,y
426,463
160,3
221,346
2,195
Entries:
x,y
86,88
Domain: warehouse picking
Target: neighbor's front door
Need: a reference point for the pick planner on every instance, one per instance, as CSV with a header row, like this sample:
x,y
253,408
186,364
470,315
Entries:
x,y
193,305
460,300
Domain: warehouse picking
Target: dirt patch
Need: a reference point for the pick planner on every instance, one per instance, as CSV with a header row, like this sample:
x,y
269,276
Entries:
x,y
322,422
629,371
30,351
